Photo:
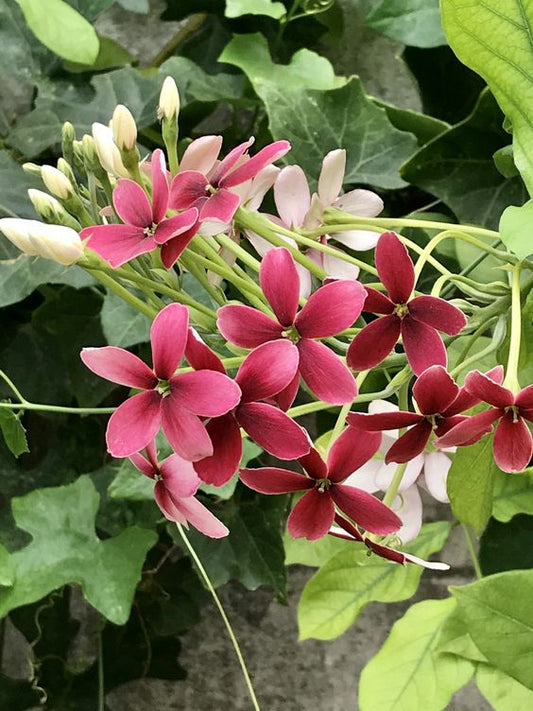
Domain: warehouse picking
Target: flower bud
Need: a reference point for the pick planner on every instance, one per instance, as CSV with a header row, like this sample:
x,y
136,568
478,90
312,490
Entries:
x,y
62,244
51,210
66,169
169,100
124,128
57,182
108,153
32,169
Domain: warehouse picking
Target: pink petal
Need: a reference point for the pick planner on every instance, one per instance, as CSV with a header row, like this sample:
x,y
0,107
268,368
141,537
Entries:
x,y
117,244
119,366
179,476
168,336
286,397
143,465
160,189
437,313
246,327
331,309
174,248
312,516
363,508
250,168
272,480
273,430
220,207
376,302
485,389
131,203
395,268
225,435
267,370
207,393
187,187
383,420
261,184
325,374
524,399
513,444
292,195
177,225
199,355
436,468
362,203
351,450
201,154
225,165
410,444
134,424
280,283
185,432
435,390
373,343
470,430
331,176
201,518
423,345
408,506
314,465
167,506
347,531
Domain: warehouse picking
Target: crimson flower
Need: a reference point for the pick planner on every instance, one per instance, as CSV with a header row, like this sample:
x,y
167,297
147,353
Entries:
x,y
513,443
175,487
417,320
263,374
173,402
330,310
145,225
314,513
440,402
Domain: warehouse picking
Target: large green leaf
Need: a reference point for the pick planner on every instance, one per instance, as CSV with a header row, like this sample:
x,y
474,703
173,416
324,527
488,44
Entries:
x,y
13,432
300,551
122,325
513,494
412,22
507,546
65,549
515,229
14,185
493,37
502,691
455,639
334,597
406,673
499,616
7,574
236,8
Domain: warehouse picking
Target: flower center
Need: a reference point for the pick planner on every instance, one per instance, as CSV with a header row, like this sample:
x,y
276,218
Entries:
x,y
515,410
401,310
433,420
291,333
322,485
150,231
163,387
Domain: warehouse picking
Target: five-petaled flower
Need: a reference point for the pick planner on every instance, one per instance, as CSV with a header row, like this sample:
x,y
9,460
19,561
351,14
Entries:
x,y
174,402
417,320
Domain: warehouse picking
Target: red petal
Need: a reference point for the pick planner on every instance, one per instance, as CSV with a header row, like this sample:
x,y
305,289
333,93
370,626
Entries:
x,y
143,465
200,356
207,393
423,345
272,480
167,506
314,465
185,432
383,420
267,370
177,225
225,435
524,399
168,336
437,313
312,516
160,189
331,309
281,284
251,167
366,510
325,374
174,248
117,244
410,444
435,390
470,430
221,206
134,424
377,303
286,397
513,444
373,343
351,450
119,366
485,389
131,203
273,430
246,327
395,267
229,161
186,188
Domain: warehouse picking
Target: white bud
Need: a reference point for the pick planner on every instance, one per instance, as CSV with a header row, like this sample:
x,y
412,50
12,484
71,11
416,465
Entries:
x,y
62,244
57,182
169,100
44,204
108,153
124,128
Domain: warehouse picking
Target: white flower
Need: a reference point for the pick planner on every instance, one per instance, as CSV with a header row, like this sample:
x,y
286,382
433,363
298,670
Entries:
x,y
57,182
124,128
107,150
169,100
62,244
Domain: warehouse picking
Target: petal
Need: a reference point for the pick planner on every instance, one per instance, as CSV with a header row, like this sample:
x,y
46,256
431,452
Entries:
x,y
312,516
314,465
185,432
292,195
273,430
377,303
220,207
179,476
337,268
513,444
346,528
167,506
250,168
408,506
117,244
272,480
524,399
168,336
373,343
395,268
325,374
410,475
331,309
187,187
207,393
143,465
177,225
423,345
160,189
383,420
363,203
436,468
358,240
131,203
227,163
281,284
267,370
365,478
134,424
470,430
435,390
286,397
366,510
199,355
174,248
200,517
261,184
410,444
485,389
350,451
119,366
331,176
225,435
246,327
201,154
437,313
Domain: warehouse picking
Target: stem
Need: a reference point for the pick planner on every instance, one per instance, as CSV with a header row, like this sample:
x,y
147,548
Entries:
x,y
13,387
395,484
241,253
472,551
193,24
470,268
101,686
124,294
57,408
225,619
511,378
339,425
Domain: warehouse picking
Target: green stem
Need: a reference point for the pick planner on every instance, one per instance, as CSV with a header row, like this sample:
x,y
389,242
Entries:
x,y
101,683
472,551
124,294
339,425
241,253
57,408
395,484
497,340
225,619
511,377
13,387
470,267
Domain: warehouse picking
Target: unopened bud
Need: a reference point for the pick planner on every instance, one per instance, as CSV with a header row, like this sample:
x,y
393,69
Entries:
x,y
169,100
51,210
32,169
108,153
57,182
62,244
66,169
68,136
124,128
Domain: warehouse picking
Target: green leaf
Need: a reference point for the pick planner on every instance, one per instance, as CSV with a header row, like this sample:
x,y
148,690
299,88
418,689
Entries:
x,y
334,597
513,494
7,573
457,167
515,229
494,38
406,673
110,56
130,484
60,28
300,551
14,184
499,616
250,450
123,325
13,432
504,161
471,482
65,549
502,691
454,639
412,22
507,546
424,127
236,8
140,6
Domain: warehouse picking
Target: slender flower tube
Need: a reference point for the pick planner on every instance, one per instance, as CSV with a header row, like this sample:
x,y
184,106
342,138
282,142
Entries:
x,y
62,244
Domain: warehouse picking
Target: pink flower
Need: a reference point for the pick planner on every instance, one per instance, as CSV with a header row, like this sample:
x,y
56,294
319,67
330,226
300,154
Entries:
x,y
417,320
176,485
173,402
330,310
314,513
265,372
513,443
145,225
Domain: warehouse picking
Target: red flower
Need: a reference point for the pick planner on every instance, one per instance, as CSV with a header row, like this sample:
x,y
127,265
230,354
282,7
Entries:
x,y
416,320
314,513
